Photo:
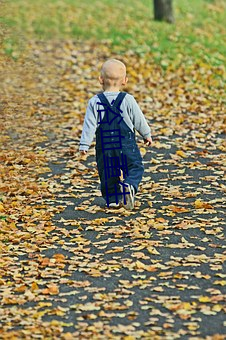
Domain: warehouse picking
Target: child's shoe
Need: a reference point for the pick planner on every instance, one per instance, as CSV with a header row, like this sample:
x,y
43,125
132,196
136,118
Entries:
x,y
129,197
114,205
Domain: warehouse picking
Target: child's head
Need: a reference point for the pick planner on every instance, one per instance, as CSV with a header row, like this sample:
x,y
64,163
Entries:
x,y
113,75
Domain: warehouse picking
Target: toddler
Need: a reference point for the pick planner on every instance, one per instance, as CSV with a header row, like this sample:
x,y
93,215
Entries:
x,y
114,116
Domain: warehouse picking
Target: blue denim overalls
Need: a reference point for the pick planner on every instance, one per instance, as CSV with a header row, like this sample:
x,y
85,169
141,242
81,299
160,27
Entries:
x,y
115,139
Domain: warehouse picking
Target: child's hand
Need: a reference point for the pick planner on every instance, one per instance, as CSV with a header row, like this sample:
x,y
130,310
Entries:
x,y
148,141
83,152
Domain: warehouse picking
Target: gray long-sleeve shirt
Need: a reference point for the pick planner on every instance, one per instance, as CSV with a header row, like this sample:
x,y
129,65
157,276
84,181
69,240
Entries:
x,y
131,113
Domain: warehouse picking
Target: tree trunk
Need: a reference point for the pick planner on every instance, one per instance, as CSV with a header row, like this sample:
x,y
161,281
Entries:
x,y
163,10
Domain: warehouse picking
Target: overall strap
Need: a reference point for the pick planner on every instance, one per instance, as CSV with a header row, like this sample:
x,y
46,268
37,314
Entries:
x,y
117,101
103,99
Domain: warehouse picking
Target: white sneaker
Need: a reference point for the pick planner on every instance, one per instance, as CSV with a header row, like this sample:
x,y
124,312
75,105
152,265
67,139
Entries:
x,y
129,197
114,205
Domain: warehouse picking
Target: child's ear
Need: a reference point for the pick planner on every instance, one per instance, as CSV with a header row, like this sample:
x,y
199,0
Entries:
x,y
101,80
125,81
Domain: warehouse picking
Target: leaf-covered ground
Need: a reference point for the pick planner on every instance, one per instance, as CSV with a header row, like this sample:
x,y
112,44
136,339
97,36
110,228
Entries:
x,y
71,269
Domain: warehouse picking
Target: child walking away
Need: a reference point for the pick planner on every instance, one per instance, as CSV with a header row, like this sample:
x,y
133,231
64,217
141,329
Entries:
x,y
114,116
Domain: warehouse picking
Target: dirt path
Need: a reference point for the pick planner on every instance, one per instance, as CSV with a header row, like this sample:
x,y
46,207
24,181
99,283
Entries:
x,y
71,269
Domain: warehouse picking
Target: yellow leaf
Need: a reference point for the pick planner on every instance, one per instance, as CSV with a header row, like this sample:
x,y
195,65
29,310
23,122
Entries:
x,y
78,239
99,221
160,227
187,305
158,289
38,315
115,250
217,308
44,304
34,286
204,299
12,225
143,151
67,324
155,161
153,251
222,282
140,265
55,323
181,154
199,204
67,336
1,208
192,326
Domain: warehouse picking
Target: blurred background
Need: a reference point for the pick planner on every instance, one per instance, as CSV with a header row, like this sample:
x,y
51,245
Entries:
x,y
197,28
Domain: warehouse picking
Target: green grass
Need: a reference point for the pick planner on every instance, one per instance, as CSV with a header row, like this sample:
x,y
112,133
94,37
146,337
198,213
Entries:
x,y
198,31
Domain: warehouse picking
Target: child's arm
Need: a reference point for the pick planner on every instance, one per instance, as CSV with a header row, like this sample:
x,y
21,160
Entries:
x,y
89,128
139,122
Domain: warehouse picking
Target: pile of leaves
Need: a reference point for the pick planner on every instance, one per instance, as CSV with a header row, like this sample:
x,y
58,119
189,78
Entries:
x,y
72,269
